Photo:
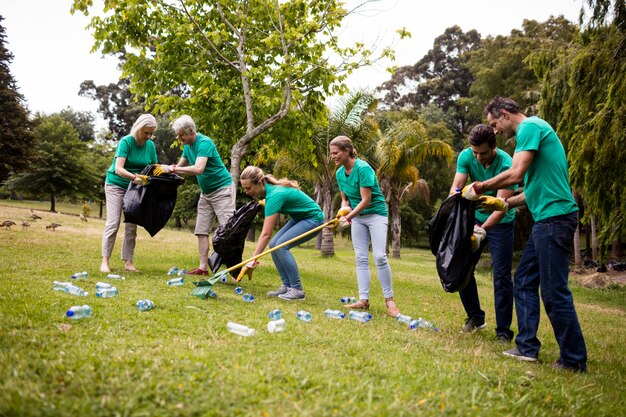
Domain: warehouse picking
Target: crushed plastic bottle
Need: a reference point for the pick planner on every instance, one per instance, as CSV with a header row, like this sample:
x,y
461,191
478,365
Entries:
x,y
348,300
79,312
335,314
248,298
240,329
61,286
363,316
115,276
103,285
176,282
423,324
275,314
70,288
238,290
304,316
181,272
403,318
173,270
276,326
81,275
145,305
106,292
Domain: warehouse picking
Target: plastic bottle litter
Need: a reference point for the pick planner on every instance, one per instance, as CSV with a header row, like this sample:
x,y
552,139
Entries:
x,y
79,312
212,294
275,314
363,316
173,270
181,272
102,285
81,275
248,298
106,292
176,282
276,326
240,329
335,314
61,286
347,300
145,305
115,276
403,318
304,316
424,324
238,290
223,279
74,290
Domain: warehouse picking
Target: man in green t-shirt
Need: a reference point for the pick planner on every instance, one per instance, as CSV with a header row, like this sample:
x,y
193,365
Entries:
x,y
482,161
540,162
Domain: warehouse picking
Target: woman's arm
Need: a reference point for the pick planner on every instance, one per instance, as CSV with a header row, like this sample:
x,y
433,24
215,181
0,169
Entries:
x,y
266,233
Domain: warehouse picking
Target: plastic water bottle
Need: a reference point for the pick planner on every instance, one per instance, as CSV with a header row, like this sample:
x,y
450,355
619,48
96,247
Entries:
x,y
421,323
115,276
275,314
334,314
79,312
106,292
61,286
304,316
75,290
238,290
145,305
103,285
176,282
223,278
173,270
348,300
403,318
363,316
81,275
276,326
182,272
248,298
212,294
240,329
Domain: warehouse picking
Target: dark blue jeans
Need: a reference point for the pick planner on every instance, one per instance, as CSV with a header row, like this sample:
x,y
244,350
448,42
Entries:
x,y
545,266
500,241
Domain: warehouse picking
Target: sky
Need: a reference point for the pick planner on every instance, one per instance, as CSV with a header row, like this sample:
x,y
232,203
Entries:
x,y
51,48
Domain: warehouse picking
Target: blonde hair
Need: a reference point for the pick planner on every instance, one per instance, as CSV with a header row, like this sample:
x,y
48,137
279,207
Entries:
x,y
256,176
145,120
345,144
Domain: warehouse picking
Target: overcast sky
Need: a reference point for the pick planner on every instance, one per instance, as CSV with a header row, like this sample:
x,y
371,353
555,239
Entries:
x,y
51,48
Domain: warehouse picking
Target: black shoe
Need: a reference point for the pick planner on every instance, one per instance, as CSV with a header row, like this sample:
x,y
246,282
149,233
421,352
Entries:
x,y
473,324
561,366
503,339
515,353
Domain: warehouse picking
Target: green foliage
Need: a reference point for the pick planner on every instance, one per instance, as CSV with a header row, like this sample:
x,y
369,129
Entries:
x,y
83,122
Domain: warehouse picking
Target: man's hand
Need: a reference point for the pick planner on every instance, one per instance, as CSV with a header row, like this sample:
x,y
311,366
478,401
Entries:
x,y
469,192
162,169
247,270
141,180
489,203
479,235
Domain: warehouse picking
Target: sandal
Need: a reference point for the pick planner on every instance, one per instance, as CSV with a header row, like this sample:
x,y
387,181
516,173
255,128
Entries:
x,y
392,309
359,305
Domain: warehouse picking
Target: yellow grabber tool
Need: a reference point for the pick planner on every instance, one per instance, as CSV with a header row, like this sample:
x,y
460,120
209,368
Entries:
x,y
203,287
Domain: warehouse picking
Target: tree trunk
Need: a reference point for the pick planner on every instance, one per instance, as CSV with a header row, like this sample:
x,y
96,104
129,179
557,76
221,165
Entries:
x,y
594,239
327,244
101,207
251,234
396,227
177,223
52,203
577,258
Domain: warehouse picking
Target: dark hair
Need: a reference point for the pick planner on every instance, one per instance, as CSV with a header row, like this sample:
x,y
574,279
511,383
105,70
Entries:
x,y
345,144
482,134
497,104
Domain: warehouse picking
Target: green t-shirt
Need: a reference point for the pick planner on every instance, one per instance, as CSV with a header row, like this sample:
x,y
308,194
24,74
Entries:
x,y
468,164
290,202
137,158
215,175
362,175
546,183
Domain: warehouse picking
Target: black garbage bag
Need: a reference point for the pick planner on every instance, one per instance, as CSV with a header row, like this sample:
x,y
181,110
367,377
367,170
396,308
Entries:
x,y
229,238
151,206
450,233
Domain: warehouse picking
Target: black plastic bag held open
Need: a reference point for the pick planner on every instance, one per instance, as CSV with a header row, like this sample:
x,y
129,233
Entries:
x,y
450,233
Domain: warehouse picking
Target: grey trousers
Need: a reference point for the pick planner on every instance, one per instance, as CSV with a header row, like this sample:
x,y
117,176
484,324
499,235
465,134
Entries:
x,y
115,207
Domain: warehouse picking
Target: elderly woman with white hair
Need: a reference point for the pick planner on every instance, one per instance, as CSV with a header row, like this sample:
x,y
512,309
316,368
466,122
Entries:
x,y
134,152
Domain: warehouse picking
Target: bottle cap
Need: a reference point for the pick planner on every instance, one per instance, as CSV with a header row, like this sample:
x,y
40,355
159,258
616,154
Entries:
x,y
69,313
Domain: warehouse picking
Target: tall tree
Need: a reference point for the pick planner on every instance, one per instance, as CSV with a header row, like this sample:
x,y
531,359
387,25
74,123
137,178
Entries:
x,y
16,137
83,122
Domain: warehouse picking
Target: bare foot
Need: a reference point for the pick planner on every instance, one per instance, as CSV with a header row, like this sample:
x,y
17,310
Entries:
x,y
105,268
130,268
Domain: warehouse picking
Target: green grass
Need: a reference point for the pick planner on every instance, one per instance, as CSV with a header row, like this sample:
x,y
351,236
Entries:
x,y
179,359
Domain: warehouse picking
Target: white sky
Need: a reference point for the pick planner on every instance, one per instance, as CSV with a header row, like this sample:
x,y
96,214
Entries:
x,y
51,48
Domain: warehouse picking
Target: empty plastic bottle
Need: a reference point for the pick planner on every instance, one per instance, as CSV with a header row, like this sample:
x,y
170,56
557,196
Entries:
x,y
248,298
403,318
102,285
335,314
304,316
240,329
115,276
360,315
75,290
79,312
145,305
350,300
173,270
106,292
212,294
421,323
223,279
238,290
275,314
181,272
61,286
175,282
276,326
81,275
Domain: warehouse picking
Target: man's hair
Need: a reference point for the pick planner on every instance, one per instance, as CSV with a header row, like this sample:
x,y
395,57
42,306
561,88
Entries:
x,y
497,104
184,124
482,134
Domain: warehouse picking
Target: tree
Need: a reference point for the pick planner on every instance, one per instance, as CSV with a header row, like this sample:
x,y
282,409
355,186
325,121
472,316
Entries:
x,y
16,137
83,122
60,167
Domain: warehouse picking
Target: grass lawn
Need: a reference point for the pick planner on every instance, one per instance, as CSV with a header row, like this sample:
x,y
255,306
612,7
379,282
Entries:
x,y
179,359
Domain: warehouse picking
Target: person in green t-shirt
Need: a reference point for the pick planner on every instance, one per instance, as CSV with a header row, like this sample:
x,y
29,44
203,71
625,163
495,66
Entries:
x,y
282,196
133,153
540,162
369,220
217,197
482,161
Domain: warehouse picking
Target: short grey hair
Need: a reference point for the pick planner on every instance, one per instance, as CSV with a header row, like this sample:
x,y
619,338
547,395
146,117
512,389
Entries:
x,y
145,120
185,124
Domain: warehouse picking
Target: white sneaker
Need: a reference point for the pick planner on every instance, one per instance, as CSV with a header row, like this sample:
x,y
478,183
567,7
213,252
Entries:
x,y
278,292
292,294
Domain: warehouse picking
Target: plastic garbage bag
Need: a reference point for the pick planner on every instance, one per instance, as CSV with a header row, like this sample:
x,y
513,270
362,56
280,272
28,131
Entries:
x,y
151,206
450,233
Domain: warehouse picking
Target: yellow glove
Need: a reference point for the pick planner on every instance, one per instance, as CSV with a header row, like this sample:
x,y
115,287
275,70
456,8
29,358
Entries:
x,y
162,169
344,211
479,235
262,203
489,203
248,269
141,180
469,192
340,222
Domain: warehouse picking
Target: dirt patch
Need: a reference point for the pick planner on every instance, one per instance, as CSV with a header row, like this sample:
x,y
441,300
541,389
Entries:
x,y
600,279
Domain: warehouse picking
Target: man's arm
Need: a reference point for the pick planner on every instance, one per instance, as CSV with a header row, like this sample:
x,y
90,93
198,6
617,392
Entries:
x,y
458,182
512,176
496,216
196,169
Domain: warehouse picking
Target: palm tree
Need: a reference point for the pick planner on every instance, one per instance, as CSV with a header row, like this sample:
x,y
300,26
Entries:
x,y
398,150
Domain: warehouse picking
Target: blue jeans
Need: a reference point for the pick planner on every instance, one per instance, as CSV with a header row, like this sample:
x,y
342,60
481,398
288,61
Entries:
x,y
500,241
545,266
283,258
366,228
